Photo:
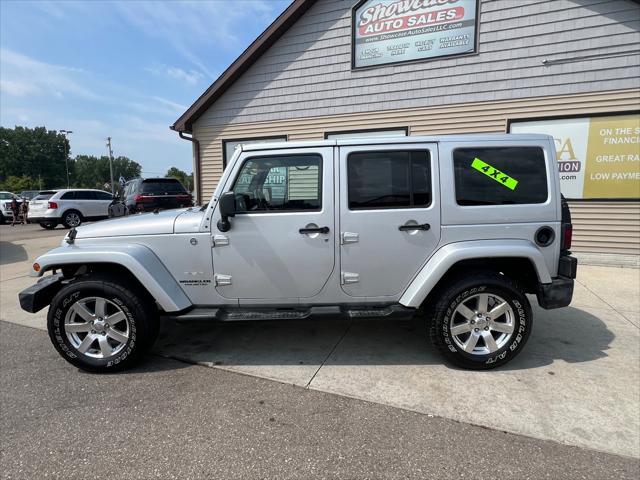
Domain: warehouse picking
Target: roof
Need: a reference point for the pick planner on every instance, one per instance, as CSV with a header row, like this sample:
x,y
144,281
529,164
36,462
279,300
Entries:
x,y
242,63
382,140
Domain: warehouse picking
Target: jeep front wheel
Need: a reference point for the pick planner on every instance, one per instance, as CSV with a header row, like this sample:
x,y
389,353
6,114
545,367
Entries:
x,y
99,325
481,321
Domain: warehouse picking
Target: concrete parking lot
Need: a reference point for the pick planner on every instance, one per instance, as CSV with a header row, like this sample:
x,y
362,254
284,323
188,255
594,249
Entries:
x,y
576,383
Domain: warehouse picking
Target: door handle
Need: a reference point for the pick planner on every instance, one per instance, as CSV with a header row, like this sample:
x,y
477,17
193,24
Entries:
x,y
305,231
423,226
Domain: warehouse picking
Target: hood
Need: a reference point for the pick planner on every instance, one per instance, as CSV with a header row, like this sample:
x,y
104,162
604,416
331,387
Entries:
x,y
137,224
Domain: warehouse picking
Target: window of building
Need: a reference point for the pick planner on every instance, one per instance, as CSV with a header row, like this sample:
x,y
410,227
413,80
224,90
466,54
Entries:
x,y
279,183
392,179
382,132
500,175
229,146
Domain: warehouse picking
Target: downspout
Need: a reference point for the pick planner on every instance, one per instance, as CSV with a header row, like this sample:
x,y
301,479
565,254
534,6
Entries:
x,y
196,157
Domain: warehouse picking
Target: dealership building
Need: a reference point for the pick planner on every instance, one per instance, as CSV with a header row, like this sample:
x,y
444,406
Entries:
x,y
341,68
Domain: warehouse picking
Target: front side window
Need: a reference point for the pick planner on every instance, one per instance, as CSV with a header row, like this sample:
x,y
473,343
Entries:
x,y
103,196
279,183
391,179
500,175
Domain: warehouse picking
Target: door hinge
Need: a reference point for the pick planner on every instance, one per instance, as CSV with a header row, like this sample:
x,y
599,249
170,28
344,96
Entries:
x,y
349,237
222,280
349,277
219,240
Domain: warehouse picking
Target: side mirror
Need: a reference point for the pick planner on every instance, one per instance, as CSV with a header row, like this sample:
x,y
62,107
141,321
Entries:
x,y
227,206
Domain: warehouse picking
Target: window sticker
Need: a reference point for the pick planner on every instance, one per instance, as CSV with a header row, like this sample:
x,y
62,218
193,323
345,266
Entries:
x,y
491,172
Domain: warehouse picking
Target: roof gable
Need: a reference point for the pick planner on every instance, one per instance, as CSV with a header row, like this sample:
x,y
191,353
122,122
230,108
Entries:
x,y
242,63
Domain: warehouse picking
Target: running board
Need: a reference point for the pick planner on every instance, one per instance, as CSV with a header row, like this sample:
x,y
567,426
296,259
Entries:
x,y
204,314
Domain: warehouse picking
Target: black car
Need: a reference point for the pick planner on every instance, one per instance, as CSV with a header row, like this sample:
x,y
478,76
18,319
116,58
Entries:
x,y
149,194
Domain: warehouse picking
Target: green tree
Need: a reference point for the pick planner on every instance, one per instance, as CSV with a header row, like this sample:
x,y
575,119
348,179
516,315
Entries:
x,y
93,172
34,152
18,184
185,179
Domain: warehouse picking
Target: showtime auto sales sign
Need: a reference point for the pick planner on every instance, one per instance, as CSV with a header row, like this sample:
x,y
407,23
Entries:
x,y
391,31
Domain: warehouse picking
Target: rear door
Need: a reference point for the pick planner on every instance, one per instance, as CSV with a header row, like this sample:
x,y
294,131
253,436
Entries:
x,y
389,216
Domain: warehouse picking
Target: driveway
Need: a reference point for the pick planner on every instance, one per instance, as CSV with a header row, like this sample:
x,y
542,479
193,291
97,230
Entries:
x,y
577,381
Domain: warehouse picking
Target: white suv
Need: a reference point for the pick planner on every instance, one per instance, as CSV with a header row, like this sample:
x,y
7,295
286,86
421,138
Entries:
x,y
5,205
69,206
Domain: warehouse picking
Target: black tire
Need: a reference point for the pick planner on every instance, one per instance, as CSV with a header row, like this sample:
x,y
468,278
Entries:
x,y
464,289
48,225
139,311
2,219
69,218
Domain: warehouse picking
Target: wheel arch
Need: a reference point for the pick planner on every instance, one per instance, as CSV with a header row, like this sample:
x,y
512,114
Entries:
x,y
519,260
135,261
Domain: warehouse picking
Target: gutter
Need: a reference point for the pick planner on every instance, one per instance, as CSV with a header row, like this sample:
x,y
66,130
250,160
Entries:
x,y
196,170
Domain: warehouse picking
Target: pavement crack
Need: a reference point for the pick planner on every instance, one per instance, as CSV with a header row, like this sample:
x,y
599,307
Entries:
x,y
344,334
607,303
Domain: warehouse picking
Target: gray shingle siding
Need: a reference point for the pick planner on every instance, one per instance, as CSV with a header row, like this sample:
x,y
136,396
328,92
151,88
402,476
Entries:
x,y
307,72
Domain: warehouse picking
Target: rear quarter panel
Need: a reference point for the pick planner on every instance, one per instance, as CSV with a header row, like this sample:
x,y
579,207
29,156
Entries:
x,y
487,222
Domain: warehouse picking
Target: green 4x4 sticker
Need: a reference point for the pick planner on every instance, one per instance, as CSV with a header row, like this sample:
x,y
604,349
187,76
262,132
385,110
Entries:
x,y
500,177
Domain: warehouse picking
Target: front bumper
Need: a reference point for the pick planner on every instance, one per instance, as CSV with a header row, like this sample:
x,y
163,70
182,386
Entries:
x,y
36,297
559,292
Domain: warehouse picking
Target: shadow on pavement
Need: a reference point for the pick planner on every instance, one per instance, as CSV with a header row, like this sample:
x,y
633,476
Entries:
x,y
12,253
568,334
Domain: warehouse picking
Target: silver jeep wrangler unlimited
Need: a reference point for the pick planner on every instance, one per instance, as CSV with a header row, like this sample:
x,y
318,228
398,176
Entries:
x,y
454,229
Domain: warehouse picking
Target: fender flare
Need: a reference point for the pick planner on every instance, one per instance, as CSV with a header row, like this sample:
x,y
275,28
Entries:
x,y
447,256
137,259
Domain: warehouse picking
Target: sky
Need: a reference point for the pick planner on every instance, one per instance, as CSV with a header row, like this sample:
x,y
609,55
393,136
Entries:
x,y
120,69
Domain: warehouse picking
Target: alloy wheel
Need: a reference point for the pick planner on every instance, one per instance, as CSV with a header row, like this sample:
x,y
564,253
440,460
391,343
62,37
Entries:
x,y
97,327
482,324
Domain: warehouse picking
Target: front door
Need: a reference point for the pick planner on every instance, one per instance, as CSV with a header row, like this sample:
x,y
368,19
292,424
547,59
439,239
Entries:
x,y
389,216
280,245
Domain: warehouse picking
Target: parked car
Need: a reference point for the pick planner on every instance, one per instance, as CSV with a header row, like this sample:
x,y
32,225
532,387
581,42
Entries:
x,y
70,207
149,194
452,230
5,205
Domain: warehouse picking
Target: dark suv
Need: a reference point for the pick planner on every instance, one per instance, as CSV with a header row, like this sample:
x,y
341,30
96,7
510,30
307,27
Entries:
x,y
148,194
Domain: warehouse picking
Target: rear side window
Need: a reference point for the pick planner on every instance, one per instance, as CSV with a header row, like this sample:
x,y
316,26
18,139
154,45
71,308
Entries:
x,y
68,196
500,175
162,187
391,179
85,195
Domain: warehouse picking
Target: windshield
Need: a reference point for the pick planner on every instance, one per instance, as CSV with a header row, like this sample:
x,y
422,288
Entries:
x,y
6,196
162,187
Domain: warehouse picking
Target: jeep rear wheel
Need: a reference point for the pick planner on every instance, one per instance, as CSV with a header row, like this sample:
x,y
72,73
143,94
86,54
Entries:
x,y
99,325
481,321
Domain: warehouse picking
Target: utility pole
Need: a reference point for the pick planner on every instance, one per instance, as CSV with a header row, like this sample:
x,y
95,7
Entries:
x,y
113,191
66,156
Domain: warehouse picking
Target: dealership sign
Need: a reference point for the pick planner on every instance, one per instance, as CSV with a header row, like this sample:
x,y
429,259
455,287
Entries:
x,y
598,157
392,31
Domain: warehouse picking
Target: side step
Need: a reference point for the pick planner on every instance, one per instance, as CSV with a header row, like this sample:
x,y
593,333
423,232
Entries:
x,y
206,314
